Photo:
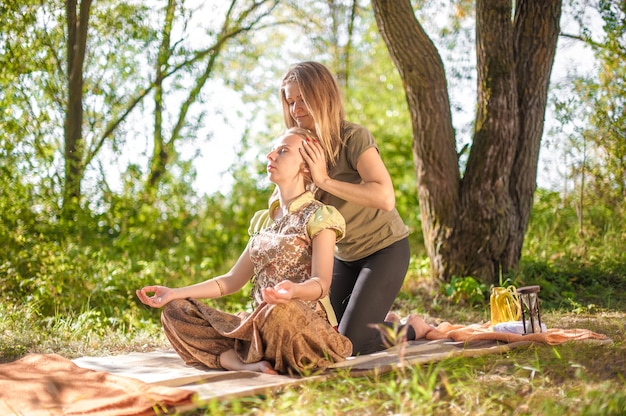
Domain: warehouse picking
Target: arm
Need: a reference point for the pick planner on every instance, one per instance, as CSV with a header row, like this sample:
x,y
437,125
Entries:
x,y
229,283
374,191
321,274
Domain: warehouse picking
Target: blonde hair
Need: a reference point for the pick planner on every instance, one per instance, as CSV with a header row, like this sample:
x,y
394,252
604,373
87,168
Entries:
x,y
322,98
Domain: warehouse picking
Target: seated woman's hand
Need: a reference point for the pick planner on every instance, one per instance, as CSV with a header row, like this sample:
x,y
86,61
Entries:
x,y
160,295
281,293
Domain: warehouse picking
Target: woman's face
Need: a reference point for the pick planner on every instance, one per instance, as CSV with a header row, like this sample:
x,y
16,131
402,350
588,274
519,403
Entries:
x,y
297,108
284,162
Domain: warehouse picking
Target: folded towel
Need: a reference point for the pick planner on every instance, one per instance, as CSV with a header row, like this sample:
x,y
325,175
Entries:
x,y
48,384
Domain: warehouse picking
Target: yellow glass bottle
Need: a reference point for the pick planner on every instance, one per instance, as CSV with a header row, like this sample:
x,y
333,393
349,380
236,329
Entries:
x,y
505,305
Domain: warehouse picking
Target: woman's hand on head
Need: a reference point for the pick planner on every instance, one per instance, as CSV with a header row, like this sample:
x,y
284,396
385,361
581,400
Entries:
x,y
315,158
281,293
161,295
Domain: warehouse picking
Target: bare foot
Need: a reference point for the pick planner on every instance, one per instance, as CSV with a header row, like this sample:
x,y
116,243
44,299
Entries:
x,y
420,326
230,361
393,317
262,367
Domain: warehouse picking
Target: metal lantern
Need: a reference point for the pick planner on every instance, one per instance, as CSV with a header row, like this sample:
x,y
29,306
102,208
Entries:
x,y
531,314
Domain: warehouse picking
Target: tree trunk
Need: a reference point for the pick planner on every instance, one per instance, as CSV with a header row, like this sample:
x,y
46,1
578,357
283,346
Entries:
x,y
161,154
536,33
475,226
77,24
434,151
483,226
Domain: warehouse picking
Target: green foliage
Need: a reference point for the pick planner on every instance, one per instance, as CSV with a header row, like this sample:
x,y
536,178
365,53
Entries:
x,y
591,110
575,262
576,271
558,231
175,241
466,290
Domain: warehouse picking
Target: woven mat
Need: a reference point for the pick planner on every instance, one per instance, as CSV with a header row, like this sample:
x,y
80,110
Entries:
x,y
165,368
138,383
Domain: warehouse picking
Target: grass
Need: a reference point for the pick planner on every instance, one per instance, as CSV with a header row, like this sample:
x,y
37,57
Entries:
x,y
574,379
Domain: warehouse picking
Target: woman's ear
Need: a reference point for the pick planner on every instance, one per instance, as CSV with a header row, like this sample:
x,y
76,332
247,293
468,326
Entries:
x,y
306,173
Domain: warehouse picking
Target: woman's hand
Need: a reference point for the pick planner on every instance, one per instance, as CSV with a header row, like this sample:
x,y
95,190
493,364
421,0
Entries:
x,y
160,296
315,159
281,293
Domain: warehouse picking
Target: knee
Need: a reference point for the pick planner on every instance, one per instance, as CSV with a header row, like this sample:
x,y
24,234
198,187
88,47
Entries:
x,y
277,315
173,308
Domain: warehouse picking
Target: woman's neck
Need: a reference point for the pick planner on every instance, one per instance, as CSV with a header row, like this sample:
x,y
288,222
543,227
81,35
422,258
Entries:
x,y
286,196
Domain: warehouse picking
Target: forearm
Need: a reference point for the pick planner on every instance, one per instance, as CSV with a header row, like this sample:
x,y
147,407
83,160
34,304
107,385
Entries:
x,y
311,289
209,289
222,285
368,194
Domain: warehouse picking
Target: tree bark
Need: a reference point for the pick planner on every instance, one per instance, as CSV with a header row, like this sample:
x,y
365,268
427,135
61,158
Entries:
x,y
483,227
536,33
77,25
161,154
475,226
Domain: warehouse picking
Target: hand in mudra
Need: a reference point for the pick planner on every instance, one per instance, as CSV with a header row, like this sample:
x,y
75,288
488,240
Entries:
x,y
161,295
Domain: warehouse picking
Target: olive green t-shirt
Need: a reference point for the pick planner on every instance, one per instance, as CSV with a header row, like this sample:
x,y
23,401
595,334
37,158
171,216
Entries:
x,y
368,230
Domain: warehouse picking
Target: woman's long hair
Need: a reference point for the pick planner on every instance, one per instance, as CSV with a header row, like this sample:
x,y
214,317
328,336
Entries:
x,y
322,98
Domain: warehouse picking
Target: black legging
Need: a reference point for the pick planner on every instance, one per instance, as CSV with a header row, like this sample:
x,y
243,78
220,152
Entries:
x,y
362,292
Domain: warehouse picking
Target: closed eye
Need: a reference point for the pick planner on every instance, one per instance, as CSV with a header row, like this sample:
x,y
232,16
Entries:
x,y
280,150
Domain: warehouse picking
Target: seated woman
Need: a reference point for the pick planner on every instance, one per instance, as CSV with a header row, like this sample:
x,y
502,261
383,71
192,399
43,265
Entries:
x,y
290,255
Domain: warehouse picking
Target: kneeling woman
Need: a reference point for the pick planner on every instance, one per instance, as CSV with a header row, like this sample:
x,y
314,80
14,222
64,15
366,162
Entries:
x,y
290,255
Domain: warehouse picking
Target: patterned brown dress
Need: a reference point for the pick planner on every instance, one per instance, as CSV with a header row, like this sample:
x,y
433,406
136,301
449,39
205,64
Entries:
x,y
293,337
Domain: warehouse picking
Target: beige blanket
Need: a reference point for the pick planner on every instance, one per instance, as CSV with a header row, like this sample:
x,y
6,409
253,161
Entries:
x,y
48,384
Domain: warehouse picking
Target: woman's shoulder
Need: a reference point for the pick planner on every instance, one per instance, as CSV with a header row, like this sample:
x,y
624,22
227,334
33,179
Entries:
x,y
354,131
260,220
319,208
355,135
326,216
356,140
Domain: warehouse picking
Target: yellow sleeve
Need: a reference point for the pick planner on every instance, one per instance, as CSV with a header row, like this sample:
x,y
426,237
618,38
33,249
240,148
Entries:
x,y
260,220
327,217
